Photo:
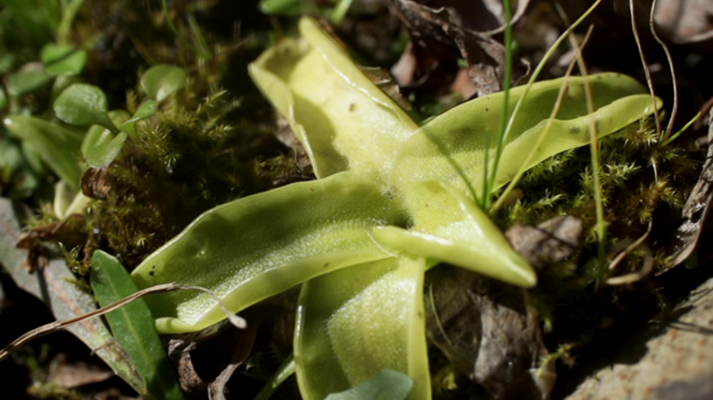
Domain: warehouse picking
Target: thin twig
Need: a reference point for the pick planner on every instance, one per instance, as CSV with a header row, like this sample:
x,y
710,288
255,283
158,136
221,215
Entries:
x,y
532,79
669,59
645,65
158,289
548,125
638,275
594,149
489,181
618,259
435,315
648,262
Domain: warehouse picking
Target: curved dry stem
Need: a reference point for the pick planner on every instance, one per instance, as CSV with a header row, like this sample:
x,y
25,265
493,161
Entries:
x,y
645,65
674,110
62,324
638,275
533,77
594,146
558,103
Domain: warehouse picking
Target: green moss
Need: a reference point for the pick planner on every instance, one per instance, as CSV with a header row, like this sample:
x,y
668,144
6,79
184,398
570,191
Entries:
x,y
185,160
205,146
631,189
641,182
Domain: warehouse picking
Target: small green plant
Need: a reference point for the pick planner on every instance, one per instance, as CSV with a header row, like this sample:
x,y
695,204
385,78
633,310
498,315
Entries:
x,y
86,106
393,198
132,327
60,133
36,62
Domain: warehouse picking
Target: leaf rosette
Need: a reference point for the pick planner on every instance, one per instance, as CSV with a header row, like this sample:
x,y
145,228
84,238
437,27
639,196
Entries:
x,y
394,197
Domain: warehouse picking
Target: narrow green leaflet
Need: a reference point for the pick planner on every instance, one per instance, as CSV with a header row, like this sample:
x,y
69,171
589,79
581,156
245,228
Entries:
x,y
359,320
100,147
253,248
26,81
133,328
60,59
105,151
146,109
387,384
83,105
56,286
280,7
162,80
58,146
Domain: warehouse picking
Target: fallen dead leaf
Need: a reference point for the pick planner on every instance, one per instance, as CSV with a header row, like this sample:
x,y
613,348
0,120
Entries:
x,y
440,28
463,85
489,334
697,208
75,374
549,242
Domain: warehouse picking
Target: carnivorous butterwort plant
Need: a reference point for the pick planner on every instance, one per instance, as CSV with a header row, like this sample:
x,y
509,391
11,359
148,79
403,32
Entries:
x,y
393,197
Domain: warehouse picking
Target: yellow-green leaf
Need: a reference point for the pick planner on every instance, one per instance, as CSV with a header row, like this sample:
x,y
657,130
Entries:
x,y
256,247
359,320
449,227
343,120
133,328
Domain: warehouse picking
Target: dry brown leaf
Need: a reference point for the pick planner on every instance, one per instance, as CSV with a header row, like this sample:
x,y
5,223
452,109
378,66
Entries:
x,y
444,30
179,351
463,85
696,209
549,242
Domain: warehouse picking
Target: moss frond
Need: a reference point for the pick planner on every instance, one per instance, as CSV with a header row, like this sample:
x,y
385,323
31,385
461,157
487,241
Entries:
x,y
570,293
